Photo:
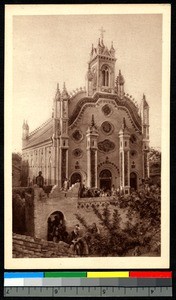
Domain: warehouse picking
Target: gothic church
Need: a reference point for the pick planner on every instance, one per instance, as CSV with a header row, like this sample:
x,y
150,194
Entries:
x,y
96,135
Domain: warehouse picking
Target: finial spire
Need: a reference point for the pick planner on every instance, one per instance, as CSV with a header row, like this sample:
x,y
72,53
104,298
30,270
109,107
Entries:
x,y
92,125
57,86
92,121
124,123
65,94
102,32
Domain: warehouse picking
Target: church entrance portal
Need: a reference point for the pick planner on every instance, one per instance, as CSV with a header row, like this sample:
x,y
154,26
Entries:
x,y
76,177
133,181
105,180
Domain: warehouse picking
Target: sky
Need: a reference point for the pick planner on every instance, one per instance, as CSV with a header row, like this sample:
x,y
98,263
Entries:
x,y
54,49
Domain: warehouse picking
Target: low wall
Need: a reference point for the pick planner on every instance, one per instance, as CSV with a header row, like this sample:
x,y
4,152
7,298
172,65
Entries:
x,y
39,206
26,246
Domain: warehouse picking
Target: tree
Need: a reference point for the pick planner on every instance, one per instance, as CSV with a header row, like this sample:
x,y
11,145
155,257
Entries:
x,y
141,233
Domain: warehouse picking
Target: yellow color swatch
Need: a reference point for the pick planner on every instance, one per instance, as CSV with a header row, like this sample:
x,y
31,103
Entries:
x,y
107,274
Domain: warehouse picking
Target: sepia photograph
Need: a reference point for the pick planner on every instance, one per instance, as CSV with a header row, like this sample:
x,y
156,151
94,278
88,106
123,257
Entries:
x,y
87,131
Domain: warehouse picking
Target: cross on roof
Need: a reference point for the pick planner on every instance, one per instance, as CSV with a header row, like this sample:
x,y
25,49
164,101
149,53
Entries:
x,y
102,31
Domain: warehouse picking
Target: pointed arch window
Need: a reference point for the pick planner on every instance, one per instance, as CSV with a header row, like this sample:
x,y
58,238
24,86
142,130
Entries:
x,y
105,76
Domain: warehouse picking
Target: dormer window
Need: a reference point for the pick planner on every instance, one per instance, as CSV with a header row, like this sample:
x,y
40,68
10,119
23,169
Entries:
x,y
105,76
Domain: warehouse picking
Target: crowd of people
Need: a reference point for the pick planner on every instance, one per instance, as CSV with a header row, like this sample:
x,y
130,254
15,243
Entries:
x,y
85,192
76,239
95,192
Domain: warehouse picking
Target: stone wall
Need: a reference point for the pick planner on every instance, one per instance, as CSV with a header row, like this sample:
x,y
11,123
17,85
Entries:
x,y
39,207
26,246
85,209
45,206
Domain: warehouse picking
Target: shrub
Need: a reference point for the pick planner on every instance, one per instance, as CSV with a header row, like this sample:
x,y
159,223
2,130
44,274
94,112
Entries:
x,y
141,233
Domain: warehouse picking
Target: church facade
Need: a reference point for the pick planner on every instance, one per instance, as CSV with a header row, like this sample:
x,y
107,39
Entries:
x,y
96,135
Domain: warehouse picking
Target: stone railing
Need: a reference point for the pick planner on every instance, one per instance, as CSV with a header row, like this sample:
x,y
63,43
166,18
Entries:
x,y
98,202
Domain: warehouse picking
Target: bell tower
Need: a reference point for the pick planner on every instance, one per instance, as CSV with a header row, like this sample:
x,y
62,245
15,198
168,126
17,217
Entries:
x,y
101,68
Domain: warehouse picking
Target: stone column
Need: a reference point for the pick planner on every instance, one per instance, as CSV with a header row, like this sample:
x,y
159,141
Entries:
x,y
124,137
92,135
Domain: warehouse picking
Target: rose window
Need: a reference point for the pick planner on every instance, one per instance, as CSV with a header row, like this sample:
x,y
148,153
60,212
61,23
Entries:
x,y
77,135
106,110
107,127
77,152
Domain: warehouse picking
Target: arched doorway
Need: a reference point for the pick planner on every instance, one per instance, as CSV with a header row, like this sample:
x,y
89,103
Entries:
x,y
105,180
133,181
76,177
56,227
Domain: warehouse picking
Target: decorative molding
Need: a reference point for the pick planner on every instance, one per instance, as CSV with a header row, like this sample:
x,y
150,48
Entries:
x,y
133,153
125,104
108,162
99,202
77,135
106,109
133,139
106,146
107,128
78,153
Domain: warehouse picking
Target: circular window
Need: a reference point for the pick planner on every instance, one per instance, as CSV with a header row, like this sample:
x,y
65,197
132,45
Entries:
x,y
133,153
77,152
133,139
107,127
77,135
106,110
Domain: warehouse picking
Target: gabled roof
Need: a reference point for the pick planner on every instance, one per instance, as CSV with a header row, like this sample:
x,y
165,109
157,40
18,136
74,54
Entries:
x,y
41,134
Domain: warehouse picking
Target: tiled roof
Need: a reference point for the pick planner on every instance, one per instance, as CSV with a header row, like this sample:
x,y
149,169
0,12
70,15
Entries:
x,y
41,134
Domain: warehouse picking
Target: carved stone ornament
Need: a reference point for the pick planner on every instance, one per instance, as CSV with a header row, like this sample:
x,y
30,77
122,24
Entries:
x,y
106,146
133,153
133,139
106,110
77,152
77,135
107,127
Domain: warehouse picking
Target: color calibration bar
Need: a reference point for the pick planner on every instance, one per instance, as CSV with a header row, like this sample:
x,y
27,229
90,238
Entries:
x,y
88,284
126,278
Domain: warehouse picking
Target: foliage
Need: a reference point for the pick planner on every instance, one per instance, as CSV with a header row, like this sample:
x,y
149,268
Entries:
x,y
82,221
18,210
140,233
24,173
18,219
154,155
21,191
16,157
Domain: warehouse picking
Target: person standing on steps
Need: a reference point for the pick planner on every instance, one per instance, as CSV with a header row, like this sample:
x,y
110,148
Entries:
x,y
65,186
40,180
